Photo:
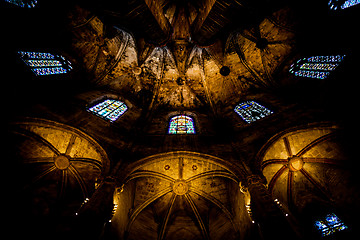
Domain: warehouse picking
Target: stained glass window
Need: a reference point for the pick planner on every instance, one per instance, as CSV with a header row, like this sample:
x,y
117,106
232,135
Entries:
x,y
316,67
342,4
181,124
251,111
23,3
109,109
330,224
42,63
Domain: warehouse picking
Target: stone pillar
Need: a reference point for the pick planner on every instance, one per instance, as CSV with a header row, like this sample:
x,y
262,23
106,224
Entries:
x,y
272,222
96,212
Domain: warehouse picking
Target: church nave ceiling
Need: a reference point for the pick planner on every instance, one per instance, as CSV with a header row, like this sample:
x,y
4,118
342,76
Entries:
x,y
181,74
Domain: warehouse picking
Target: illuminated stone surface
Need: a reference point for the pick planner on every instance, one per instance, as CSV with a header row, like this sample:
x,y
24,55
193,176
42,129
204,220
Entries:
x,y
180,187
295,163
62,162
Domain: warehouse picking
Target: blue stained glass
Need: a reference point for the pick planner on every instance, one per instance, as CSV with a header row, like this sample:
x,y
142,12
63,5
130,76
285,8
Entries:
x,y
23,3
101,105
329,225
49,71
317,66
181,124
251,111
326,59
312,74
338,4
109,109
36,55
42,63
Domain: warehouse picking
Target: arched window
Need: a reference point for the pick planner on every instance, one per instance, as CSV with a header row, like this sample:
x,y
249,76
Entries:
x,y
251,111
329,225
316,67
23,3
342,4
45,63
109,109
181,124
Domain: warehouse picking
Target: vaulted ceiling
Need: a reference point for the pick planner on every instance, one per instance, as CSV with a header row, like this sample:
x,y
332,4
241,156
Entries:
x,y
199,57
58,161
190,55
180,196
177,71
204,20
305,165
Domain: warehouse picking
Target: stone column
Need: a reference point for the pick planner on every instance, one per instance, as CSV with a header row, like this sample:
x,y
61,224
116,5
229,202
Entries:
x,y
272,222
96,212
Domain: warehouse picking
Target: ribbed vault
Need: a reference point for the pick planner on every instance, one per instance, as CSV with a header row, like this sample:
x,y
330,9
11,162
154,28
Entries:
x,y
307,166
174,194
263,49
180,73
58,164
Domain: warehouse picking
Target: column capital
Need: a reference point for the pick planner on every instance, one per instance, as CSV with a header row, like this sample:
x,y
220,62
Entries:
x,y
255,179
271,219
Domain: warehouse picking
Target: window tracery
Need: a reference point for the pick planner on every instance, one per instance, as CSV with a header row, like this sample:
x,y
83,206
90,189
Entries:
x,y
109,109
251,111
341,4
330,225
181,124
23,3
316,66
43,63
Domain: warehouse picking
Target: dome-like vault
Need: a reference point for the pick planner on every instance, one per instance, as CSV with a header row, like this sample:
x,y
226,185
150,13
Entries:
x,y
58,165
180,196
307,166
181,74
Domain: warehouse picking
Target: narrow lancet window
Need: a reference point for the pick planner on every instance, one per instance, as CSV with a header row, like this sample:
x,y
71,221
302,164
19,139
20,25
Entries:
x,y
43,63
109,109
181,124
316,67
251,111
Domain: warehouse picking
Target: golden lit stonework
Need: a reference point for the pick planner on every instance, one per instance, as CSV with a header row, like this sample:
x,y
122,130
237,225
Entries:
x,y
62,162
180,187
295,163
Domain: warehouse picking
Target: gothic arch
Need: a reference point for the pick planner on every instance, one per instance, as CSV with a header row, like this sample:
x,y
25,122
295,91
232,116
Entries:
x,y
307,166
58,161
176,191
